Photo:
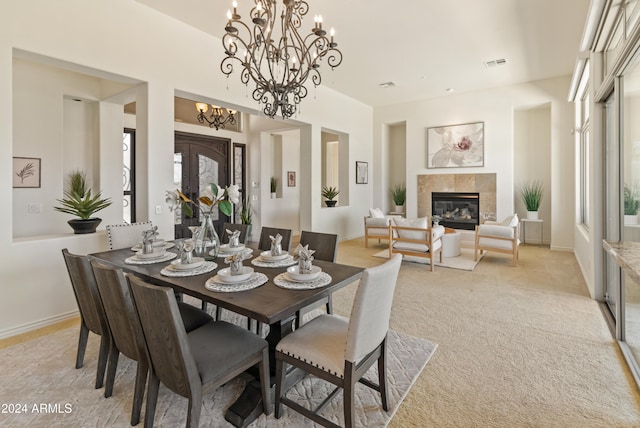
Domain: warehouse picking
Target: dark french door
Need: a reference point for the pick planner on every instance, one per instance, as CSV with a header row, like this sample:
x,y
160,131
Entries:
x,y
198,161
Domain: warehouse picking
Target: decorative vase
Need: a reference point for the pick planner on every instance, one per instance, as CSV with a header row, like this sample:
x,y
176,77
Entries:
x,y
532,215
80,226
207,240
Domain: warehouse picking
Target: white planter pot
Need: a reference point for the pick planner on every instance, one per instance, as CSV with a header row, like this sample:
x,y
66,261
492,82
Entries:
x,y
631,219
399,209
532,215
273,196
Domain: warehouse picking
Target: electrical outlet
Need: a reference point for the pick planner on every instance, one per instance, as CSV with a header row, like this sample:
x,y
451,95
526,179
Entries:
x,y
158,209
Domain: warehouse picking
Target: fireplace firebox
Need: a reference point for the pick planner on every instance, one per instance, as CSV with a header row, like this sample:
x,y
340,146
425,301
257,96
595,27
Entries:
x,y
458,210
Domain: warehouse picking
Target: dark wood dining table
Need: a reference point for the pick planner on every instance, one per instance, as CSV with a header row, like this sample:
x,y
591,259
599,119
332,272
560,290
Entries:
x,y
269,304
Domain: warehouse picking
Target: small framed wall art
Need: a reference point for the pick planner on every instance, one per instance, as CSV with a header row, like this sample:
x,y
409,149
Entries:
x,y
26,172
291,179
455,146
362,172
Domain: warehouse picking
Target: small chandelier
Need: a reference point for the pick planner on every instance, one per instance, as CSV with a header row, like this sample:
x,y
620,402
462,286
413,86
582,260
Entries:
x,y
279,64
217,119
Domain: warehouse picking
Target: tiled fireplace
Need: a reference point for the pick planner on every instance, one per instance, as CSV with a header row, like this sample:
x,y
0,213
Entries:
x,y
458,210
484,185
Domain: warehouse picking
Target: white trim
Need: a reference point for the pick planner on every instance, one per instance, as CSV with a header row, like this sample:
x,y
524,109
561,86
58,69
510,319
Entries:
x,y
25,328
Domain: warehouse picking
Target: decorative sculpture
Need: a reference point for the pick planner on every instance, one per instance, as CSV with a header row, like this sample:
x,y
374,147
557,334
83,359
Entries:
x,y
276,245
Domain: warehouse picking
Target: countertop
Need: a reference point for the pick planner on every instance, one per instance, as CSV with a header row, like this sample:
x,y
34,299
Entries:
x,y
627,255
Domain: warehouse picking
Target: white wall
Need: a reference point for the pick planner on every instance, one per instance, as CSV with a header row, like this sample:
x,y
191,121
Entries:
x,y
158,51
494,107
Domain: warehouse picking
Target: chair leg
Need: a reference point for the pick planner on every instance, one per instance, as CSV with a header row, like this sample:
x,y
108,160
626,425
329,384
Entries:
x,y
218,313
204,305
103,356
195,408
382,376
138,392
265,381
152,399
114,355
82,344
347,394
280,372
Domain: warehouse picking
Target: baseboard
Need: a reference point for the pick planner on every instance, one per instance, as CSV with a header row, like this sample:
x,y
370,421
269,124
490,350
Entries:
x,y
25,328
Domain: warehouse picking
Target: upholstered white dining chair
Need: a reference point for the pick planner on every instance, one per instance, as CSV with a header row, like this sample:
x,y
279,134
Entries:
x,y
126,235
341,350
502,237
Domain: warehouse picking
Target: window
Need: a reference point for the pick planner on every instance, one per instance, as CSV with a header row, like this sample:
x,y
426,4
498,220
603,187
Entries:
x,y
582,124
128,175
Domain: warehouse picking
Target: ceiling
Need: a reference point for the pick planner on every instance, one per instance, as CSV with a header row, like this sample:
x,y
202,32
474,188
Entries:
x,y
426,46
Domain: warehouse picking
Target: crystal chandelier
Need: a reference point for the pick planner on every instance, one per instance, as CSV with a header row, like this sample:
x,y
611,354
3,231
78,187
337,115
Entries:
x,y
275,56
217,119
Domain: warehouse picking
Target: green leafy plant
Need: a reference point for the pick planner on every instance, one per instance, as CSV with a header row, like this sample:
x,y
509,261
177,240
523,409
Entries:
x,y
399,194
631,200
330,193
274,184
246,212
532,195
78,200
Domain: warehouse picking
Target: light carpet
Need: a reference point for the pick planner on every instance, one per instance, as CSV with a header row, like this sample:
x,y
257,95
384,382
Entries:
x,y
41,371
463,262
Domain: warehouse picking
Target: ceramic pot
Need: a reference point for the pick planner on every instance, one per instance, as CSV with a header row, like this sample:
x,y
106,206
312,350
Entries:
x,y
80,226
532,215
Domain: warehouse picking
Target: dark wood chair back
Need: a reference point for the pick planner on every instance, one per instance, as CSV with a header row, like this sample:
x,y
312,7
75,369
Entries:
x,y
92,316
324,244
165,336
243,228
265,241
126,331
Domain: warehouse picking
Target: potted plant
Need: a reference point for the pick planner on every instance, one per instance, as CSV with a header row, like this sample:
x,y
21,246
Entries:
x,y
246,213
399,195
79,201
531,196
329,193
631,204
274,187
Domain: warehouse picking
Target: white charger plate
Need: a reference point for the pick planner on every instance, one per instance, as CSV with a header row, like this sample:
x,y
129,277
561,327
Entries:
x,y
267,257
294,274
224,275
196,262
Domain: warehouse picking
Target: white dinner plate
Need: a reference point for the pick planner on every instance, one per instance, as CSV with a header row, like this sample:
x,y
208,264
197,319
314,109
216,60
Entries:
x,y
225,248
267,257
196,262
157,253
225,275
294,274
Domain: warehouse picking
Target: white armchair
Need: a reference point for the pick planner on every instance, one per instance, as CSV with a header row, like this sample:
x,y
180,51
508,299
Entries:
x,y
416,238
376,225
500,237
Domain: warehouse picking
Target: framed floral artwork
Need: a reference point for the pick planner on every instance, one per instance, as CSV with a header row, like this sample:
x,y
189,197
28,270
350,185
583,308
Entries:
x,y
291,179
456,146
26,172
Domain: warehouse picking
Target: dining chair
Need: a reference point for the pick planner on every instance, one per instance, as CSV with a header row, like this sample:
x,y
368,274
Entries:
x,y
210,355
265,242
243,228
341,350
126,331
92,316
126,235
326,248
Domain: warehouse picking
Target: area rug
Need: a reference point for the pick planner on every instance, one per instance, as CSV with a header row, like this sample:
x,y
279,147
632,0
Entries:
x,y
463,262
41,388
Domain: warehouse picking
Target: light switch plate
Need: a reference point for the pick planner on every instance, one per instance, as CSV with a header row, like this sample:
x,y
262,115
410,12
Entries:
x,y
35,208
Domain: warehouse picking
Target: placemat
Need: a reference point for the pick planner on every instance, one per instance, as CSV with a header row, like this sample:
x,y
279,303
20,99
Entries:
x,y
133,261
256,280
283,281
289,261
204,268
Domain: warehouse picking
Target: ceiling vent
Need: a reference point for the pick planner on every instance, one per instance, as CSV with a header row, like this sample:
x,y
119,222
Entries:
x,y
495,63
387,85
